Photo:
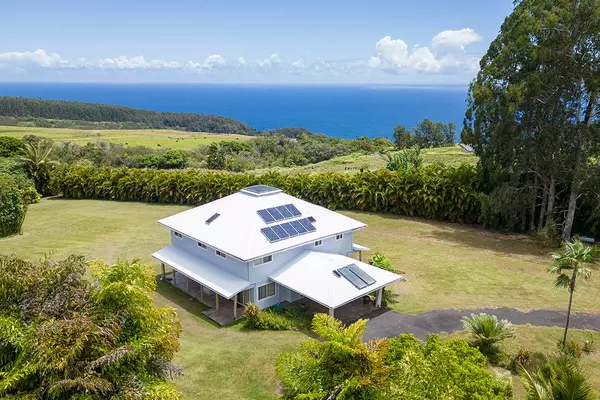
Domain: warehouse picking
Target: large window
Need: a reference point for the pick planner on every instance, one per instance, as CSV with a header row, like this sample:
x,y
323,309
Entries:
x,y
263,260
267,290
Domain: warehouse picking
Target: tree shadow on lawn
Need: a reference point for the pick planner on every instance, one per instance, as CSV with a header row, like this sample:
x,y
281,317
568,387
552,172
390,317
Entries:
x,y
474,236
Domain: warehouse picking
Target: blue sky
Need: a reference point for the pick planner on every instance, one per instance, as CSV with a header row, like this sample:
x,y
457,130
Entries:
x,y
259,41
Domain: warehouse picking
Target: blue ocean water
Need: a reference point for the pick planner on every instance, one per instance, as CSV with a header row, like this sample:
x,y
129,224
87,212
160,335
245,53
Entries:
x,y
340,111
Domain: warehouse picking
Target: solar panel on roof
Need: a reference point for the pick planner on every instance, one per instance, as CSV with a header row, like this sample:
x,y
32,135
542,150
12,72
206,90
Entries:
x,y
306,223
264,214
280,232
292,208
355,269
276,214
270,234
284,211
289,229
352,278
298,226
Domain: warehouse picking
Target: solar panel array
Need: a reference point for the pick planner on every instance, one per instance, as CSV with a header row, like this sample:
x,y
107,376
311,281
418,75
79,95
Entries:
x,y
356,276
279,213
288,230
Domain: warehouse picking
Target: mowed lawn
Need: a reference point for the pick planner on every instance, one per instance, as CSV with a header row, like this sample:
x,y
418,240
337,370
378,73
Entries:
x,y
157,138
446,265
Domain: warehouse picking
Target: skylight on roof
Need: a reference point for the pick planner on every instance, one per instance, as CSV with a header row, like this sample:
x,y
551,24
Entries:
x,y
211,219
356,276
260,190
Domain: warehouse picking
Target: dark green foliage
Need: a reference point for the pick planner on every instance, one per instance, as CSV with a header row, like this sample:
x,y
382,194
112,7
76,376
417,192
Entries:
x,y
71,110
10,146
426,134
273,320
12,206
291,132
435,191
216,157
406,158
62,337
380,260
171,159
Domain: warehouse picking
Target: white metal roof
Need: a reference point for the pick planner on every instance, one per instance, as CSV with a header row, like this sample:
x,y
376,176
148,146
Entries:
x,y
201,271
358,247
311,274
237,230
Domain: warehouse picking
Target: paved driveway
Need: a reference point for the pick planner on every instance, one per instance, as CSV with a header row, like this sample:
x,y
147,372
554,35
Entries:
x,y
385,323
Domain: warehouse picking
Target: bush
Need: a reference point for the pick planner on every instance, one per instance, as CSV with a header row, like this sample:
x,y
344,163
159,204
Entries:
x,y
487,330
433,191
270,319
571,349
10,146
380,260
522,358
12,206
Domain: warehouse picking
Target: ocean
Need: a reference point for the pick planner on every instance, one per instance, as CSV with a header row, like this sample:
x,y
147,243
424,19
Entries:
x,y
341,111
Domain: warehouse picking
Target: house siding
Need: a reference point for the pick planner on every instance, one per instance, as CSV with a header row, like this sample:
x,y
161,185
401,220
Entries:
x,y
230,264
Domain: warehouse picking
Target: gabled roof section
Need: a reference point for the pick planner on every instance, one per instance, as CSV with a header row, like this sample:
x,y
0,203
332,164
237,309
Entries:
x,y
237,230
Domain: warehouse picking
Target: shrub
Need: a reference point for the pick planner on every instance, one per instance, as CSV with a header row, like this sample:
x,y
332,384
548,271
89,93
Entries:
x,y
12,206
380,260
487,330
251,312
433,191
503,384
571,349
267,319
10,146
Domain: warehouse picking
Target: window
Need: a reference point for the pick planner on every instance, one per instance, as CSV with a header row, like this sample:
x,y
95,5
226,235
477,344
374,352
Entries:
x,y
339,236
318,243
179,235
220,254
202,245
267,290
263,260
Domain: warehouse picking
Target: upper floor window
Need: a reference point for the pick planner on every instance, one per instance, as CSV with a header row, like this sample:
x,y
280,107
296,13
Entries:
x,y
263,260
318,243
339,236
202,245
179,235
220,254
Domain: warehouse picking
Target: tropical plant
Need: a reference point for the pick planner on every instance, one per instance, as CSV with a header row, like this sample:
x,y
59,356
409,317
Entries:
x,y
559,379
405,159
63,337
12,206
573,261
37,162
433,191
487,329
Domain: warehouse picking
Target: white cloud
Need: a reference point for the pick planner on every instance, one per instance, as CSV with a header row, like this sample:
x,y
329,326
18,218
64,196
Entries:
x,y
214,60
273,60
134,63
36,58
448,55
455,39
241,61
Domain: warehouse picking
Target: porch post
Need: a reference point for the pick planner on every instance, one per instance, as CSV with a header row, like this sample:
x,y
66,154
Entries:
x,y
331,312
235,307
216,301
360,255
379,297
162,267
187,285
175,278
201,292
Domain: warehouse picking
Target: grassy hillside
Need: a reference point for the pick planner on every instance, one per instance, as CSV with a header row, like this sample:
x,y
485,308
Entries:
x,y
135,137
354,162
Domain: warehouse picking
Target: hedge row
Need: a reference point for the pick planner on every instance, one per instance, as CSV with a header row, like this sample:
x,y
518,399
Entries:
x,y
434,191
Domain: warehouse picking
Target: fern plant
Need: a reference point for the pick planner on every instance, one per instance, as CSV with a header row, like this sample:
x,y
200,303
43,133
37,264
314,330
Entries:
x,y
487,329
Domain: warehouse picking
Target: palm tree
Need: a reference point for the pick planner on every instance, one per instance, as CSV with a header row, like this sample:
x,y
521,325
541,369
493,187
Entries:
x,y
36,159
558,379
572,262
487,330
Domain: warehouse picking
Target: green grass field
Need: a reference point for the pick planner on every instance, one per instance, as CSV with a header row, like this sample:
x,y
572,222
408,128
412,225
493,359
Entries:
x,y
141,137
447,265
352,163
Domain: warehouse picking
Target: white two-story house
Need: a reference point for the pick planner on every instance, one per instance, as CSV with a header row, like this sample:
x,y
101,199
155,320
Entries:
x,y
264,246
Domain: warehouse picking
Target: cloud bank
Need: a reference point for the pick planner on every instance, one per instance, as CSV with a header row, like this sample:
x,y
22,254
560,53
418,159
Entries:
x,y
446,54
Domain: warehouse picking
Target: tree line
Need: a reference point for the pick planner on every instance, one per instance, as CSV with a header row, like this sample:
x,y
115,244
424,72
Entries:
x,y
20,107
533,118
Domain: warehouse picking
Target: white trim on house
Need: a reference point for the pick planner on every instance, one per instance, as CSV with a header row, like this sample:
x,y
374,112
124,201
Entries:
x,y
210,275
311,275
